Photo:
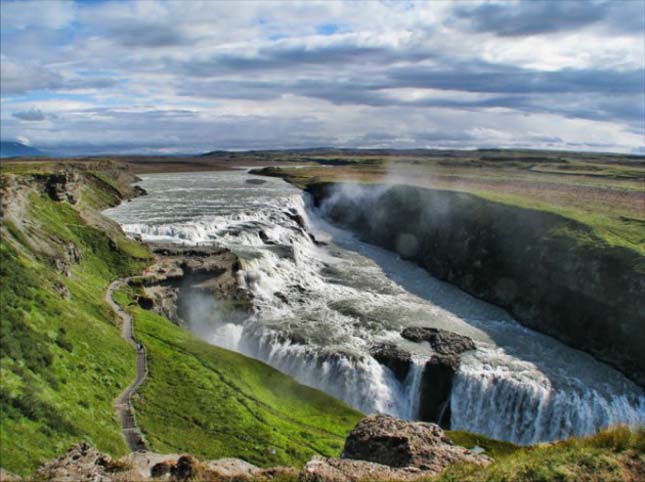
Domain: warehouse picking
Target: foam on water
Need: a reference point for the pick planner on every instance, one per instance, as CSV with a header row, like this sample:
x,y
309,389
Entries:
x,y
318,309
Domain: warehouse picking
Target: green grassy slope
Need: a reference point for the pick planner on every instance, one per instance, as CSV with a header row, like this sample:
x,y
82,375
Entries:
x,y
216,403
62,361
614,455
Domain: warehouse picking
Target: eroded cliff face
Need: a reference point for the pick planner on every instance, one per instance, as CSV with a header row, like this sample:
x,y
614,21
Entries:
x,y
551,273
184,276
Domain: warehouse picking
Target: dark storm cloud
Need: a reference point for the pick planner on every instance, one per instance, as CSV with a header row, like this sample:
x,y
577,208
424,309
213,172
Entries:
x,y
538,17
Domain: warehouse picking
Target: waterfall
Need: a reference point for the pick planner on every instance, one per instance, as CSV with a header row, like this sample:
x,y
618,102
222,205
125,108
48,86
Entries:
x,y
318,309
526,407
411,389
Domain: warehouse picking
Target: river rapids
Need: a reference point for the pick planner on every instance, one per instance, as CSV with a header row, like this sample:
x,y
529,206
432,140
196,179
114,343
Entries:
x,y
320,307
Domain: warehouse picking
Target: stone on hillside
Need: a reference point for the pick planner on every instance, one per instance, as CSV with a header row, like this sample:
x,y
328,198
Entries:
x,y
386,440
186,468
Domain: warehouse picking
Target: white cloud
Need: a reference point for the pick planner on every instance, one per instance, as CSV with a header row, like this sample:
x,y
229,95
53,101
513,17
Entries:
x,y
50,14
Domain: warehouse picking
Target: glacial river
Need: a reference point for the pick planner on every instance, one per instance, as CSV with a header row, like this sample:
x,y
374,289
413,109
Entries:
x,y
339,299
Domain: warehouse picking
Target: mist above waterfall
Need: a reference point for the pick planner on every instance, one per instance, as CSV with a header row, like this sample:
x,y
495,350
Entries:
x,y
212,319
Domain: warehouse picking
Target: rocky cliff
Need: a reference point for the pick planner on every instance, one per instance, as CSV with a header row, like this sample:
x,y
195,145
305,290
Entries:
x,y
551,273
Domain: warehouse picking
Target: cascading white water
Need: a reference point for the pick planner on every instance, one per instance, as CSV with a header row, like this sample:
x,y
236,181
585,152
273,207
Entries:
x,y
411,389
319,309
534,410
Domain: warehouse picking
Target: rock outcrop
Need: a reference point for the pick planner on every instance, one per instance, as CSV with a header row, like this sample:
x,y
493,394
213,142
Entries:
x,y
84,462
182,271
81,462
383,448
70,255
438,372
63,186
435,389
399,443
442,342
393,357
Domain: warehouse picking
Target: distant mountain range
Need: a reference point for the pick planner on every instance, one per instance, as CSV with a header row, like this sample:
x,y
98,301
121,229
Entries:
x,y
17,149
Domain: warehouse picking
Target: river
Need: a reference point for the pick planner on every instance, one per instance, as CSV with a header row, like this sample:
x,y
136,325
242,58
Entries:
x,y
318,308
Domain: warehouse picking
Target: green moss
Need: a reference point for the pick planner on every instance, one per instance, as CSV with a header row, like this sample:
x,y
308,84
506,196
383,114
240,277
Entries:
x,y
215,403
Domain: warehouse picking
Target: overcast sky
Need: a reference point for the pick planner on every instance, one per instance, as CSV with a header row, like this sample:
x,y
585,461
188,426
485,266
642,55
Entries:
x,y
157,76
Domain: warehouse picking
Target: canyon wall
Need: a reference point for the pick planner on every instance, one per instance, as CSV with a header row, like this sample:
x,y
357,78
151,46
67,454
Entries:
x,y
550,272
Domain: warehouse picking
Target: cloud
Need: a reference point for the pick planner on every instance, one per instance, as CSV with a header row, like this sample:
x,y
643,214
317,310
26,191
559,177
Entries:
x,y
31,115
52,14
510,79
185,76
510,19
18,77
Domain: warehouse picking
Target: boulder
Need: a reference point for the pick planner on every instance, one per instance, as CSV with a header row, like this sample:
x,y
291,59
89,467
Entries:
x,y
265,237
386,440
160,470
185,468
442,341
393,357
